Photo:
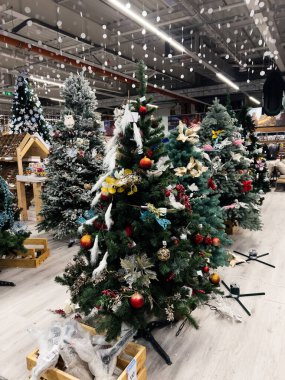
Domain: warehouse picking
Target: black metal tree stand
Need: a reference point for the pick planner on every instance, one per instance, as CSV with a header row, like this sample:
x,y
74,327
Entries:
x,y
253,256
147,335
235,294
6,283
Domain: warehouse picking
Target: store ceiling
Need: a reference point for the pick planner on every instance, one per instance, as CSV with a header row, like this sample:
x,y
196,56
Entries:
x,y
242,39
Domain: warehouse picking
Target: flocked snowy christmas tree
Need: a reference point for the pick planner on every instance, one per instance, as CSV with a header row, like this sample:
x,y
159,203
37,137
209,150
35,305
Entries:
x,y
141,256
221,139
192,174
75,161
27,112
12,233
258,167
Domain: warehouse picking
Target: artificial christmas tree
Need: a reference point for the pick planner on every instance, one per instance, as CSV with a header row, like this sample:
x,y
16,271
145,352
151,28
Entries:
x,y
27,113
195,177
145,261
258,167
12,233
75,161
221,140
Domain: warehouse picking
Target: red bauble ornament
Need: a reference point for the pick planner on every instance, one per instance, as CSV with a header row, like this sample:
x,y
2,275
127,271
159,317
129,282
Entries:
x,y
97,225
142,110
129,231
198,239
137,300
208,240
149,153
145,163
167,193
104,197
205,269
86,241
170,277
216,241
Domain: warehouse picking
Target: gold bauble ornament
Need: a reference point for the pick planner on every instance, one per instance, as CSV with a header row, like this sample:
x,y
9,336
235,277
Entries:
x,y
163,254
215,278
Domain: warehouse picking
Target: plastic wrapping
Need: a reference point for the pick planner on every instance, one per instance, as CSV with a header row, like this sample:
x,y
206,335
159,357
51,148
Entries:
x,y
85,356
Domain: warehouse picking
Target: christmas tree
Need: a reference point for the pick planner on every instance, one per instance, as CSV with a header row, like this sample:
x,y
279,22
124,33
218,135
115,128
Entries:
x,y
222,141
27,112
75,161
258,167
188,162
12,233
141,255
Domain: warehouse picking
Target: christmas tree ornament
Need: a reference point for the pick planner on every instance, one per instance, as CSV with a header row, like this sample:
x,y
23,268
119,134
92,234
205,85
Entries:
x,y
215,278
149,153
129,231
145,163
167,193
86,241
205,269
216,241
104,197
163,254
198,238
137,300
142,110
208,240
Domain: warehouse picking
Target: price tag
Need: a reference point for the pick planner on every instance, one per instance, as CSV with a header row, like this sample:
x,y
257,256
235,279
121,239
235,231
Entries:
x,y
132,370
199,273
143,99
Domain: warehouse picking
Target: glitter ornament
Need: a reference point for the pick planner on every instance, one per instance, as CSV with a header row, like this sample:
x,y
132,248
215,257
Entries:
x,y
163,254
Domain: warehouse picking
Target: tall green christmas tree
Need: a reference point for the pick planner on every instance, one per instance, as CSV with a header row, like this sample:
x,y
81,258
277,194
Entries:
x,y
142,255
75,161
258,167
27,112
192,174
12,233
221,139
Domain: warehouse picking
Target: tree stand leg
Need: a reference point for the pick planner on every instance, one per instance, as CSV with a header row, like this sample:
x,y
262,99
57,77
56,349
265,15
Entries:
x,y
7,283
147,335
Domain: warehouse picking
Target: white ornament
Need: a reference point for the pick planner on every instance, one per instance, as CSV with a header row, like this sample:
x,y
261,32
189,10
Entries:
x,y
69,121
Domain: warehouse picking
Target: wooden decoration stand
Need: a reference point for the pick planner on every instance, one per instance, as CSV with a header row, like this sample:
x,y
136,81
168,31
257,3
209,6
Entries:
x,y
15,150
37,252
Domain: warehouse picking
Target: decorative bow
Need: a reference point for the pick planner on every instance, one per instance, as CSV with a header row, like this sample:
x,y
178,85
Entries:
x,y
215,134
195,168
189,135
155,213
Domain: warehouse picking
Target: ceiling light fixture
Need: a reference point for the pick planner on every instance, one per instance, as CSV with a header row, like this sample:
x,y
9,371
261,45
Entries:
x,y
57,100
227,81
254,100
147,25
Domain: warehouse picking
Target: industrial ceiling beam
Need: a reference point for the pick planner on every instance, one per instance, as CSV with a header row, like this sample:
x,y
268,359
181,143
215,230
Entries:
x,y
29,45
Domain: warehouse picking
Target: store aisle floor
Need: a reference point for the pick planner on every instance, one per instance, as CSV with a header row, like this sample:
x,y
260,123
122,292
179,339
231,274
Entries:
x,y
252,350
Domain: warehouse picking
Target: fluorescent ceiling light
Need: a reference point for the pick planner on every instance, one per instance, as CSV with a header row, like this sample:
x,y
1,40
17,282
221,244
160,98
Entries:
x,y
147,25
56,100
41,80
227,81
254,100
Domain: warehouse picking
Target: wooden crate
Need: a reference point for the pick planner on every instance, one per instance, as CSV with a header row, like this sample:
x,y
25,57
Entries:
x,y
29,258
132,349
231,229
